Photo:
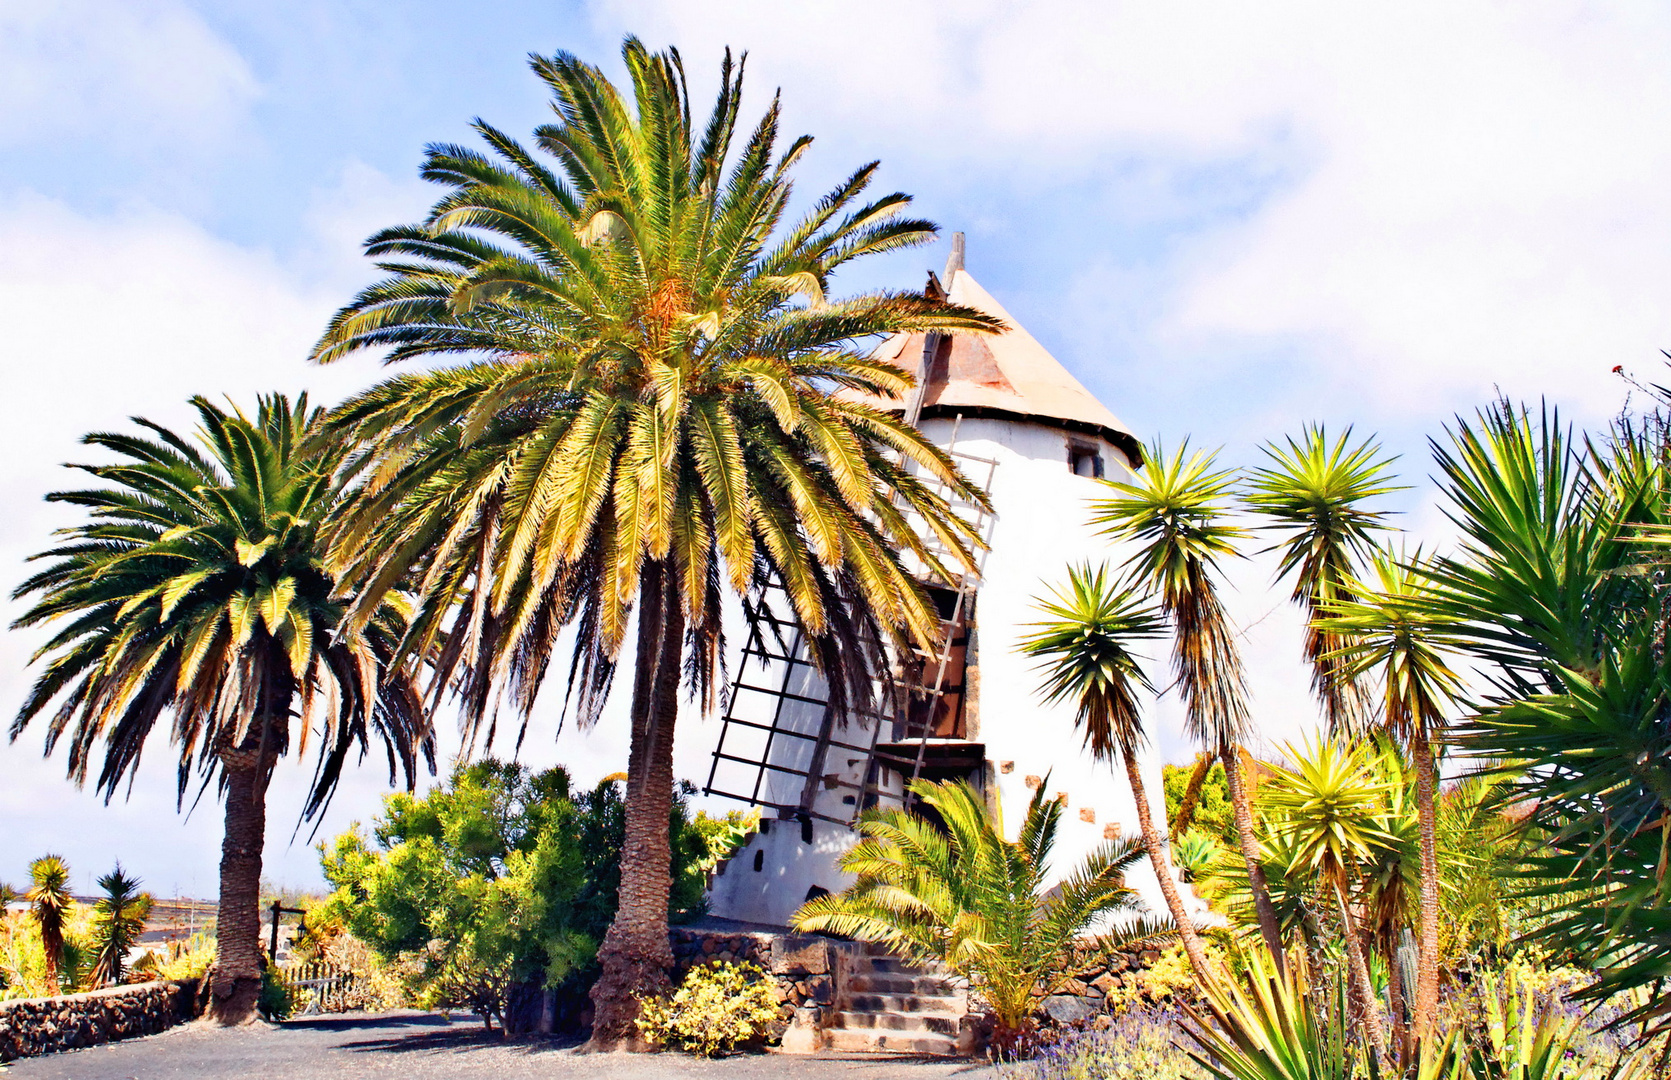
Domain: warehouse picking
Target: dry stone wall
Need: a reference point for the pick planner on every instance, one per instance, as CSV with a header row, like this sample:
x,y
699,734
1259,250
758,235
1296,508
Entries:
x,y
35,1026
802,969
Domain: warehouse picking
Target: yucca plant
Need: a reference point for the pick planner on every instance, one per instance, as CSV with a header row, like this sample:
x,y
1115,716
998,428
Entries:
x,y
49,905
1272,1025
195,600
1313,495
1085,645
1176,512
951,889
118,920
1331,805
1394,631
649,415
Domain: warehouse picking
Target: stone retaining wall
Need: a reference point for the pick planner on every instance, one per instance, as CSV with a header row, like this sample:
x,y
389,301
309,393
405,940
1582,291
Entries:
x,y
34,1026
1083,997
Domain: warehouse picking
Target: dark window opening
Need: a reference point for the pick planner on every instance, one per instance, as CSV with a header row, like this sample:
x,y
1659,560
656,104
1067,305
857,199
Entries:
x,y
1084,460
759,861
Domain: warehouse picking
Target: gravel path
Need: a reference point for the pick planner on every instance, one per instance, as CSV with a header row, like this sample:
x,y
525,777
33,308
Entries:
x,y
420,1046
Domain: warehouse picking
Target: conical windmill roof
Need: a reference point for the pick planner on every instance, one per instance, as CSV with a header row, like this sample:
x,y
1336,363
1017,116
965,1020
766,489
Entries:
x,y
1008,375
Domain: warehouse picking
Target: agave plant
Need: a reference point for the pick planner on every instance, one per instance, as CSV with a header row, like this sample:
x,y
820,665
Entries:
x,y
955,891
1272,1026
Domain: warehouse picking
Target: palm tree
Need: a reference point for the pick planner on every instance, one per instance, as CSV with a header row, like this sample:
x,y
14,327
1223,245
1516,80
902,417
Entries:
x,y
1391,880
1394,631
951,889
1085,643
50,902
118,920
1313,494
197,592
650,416
1331,805
1176,512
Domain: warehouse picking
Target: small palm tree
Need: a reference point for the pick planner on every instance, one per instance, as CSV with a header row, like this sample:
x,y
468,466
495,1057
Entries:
x,y
1332,806
1176,512
1085,644
1313,495
49,903
196,599
951,889
649,417
118,920
1394,631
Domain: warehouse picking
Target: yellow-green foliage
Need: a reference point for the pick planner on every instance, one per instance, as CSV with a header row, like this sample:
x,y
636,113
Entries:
x,y
1168,981
717,1008
189,960
23,960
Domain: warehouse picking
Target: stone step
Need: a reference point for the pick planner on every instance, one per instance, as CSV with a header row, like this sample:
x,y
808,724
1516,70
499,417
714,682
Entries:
x,y
932,985
908,1022
870,1040
893,965
939,1004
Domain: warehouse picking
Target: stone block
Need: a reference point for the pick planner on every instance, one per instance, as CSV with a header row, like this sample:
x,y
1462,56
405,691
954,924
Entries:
x,y
797,955
1088,814
1068,1009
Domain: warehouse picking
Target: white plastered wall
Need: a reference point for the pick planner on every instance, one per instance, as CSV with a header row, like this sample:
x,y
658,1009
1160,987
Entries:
x,y
1041,528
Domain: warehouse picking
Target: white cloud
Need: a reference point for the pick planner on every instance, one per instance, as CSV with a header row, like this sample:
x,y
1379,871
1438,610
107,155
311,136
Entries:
x,y
122,70
1462,195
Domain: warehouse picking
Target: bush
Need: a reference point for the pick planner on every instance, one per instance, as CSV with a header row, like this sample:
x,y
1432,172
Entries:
x,y
716,1009
278,994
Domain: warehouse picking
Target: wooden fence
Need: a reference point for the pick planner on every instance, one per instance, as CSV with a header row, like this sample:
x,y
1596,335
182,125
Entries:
x,y
320,987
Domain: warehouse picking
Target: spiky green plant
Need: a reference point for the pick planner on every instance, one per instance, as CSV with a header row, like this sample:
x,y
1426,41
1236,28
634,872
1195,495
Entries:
x,y
49,904
650,414
1332,806
1271,1025
1177,513
1313,495
195,599
118,920
952,889
1085,645
1395,632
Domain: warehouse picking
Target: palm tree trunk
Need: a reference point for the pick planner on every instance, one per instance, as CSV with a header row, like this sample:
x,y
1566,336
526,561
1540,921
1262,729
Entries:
x,y
636,954
1269,928
1359,966
1163,873
1427,944
235,980
1192,794
1395,994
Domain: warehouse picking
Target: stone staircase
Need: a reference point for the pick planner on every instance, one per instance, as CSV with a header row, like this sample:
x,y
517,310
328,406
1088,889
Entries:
x,y
885,1004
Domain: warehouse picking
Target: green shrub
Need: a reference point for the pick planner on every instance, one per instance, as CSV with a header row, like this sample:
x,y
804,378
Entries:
x,y
278,994
716,1009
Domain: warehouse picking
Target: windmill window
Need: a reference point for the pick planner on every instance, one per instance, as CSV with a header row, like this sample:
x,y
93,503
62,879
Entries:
x,y
1084,460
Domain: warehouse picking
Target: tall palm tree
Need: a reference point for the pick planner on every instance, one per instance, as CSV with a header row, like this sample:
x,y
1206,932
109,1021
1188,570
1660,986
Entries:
x,y
953,890
197,592
1332,805
49,904
1313,494
1085,642
118,920
650,415
1176,513
1394,631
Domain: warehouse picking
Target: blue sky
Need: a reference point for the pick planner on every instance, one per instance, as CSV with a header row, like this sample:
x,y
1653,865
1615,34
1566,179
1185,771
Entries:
x,y
1226,219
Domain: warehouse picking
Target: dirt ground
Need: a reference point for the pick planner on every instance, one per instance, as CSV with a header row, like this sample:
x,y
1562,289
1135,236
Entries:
x,y
421,1046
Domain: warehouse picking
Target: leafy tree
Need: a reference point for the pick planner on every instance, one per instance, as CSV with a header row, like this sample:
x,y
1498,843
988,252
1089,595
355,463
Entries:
x,y
952,889
650,415
50,903
1209,810
1176,513
499,878
118,920
197,593
1085,645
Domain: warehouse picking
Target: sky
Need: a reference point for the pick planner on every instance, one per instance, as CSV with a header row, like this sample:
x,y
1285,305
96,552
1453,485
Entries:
x,y
1226,219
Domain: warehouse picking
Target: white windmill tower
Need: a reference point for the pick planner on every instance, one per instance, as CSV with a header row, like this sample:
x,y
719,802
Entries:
x,y
1023,428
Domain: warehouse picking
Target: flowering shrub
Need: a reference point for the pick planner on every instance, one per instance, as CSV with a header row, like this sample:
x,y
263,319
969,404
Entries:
x,y
1140,1044
23,959
717,1008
